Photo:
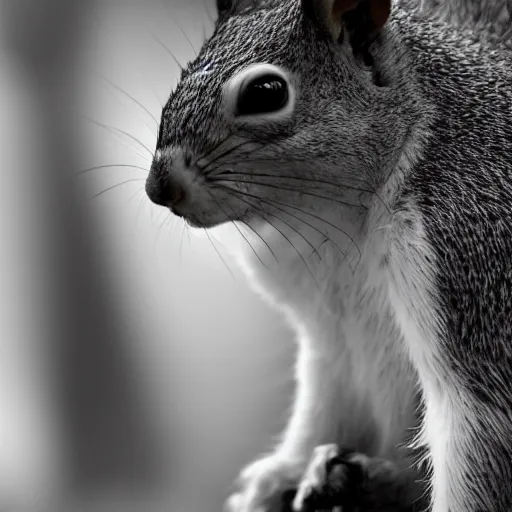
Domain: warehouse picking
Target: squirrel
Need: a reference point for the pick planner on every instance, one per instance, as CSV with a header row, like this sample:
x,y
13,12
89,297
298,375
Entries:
x,y
363,150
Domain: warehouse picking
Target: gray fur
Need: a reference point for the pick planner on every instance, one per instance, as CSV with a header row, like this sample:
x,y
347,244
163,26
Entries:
x,y
490,19
418,175
463,185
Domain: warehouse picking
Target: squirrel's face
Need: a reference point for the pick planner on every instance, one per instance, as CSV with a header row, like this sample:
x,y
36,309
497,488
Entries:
x,y
275,107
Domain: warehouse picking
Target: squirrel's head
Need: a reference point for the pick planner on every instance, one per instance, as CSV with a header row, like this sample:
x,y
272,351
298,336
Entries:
x,y
286,98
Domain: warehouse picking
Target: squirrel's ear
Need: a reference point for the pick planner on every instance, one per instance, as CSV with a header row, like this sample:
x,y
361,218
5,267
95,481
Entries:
x,y
224,7
361,18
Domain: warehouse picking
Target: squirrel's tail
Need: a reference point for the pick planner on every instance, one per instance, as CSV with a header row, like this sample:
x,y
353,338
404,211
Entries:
x,y
492,18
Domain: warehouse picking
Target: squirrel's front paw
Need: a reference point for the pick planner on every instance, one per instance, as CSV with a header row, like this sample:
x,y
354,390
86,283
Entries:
x,y
263,483
349,481
329,481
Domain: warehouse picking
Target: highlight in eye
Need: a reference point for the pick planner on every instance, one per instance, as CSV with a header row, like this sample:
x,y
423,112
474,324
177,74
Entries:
x,y
261,92
264,94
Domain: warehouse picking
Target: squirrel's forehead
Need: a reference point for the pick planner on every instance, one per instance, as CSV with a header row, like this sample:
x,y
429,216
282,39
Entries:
x,y
234,46
258,31
233,50
264,35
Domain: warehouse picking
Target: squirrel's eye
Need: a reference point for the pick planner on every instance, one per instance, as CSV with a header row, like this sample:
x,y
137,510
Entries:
x,y
263,95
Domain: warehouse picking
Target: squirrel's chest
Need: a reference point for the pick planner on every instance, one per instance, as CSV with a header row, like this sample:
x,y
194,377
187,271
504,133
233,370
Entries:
x,y
323,285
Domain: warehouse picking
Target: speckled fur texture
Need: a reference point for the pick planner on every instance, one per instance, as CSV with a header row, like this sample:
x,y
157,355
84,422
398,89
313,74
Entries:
x,y
463,190
379,218
490,20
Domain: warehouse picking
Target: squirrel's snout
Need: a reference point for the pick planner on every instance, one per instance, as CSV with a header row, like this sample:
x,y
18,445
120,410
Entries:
x,y
164,193
175,184
161,188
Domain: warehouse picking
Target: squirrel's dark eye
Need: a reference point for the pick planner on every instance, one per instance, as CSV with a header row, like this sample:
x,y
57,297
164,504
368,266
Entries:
x,y
263,95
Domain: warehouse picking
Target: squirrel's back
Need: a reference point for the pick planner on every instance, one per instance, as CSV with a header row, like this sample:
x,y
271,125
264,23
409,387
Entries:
x,y
462,188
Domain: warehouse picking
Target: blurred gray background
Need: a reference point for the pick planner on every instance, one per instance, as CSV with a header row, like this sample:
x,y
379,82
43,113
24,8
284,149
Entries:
x,y
135,369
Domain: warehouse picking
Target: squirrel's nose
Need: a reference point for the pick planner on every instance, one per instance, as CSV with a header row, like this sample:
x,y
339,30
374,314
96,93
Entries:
x,y
163,193
162,189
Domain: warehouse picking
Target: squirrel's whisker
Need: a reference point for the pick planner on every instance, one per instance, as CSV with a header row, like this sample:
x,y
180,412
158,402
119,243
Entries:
x,y
132,197
98,167
249,243
167,215
282,220
310,180
263,214
262,239
203,32
208,13
238,229
113,129
181,240
278,187
205,168
206,155
219,254
300,210
178,26
249,226
322,220
172,227
271,203
128,95
299,178
314,249
140,202
173,57
211,171
117,185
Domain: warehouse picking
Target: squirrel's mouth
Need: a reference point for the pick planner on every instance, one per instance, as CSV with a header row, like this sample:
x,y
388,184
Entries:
x,y
204,221
203,203
199,204
211,214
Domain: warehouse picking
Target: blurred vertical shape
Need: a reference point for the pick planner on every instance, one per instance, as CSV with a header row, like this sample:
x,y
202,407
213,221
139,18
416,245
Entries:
x,y
28,455
93,392
218,360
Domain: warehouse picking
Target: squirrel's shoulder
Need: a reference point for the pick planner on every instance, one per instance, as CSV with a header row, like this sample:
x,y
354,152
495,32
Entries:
x,y
484,21
466,166
443,53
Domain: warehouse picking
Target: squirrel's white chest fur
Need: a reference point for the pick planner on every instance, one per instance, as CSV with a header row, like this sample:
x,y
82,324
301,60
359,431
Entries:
x,y
342,312
360,318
